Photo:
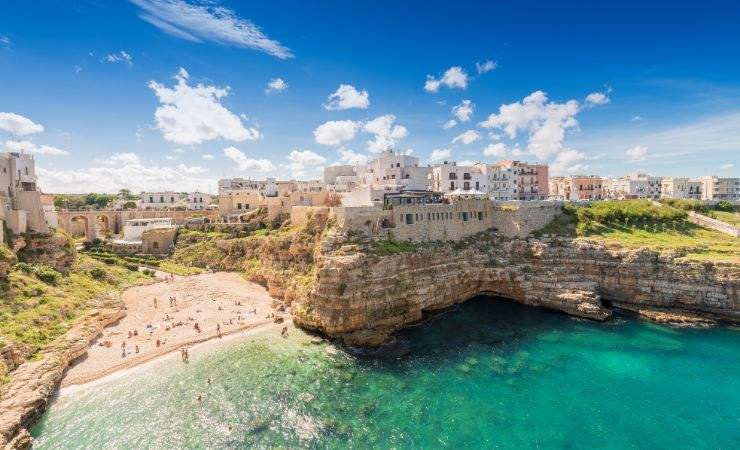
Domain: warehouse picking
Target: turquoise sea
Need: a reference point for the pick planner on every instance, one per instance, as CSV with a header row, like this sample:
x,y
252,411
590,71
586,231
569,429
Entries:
x,y
489,374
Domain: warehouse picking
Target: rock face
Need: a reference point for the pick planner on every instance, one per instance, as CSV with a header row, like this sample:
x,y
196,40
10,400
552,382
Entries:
x,y
55,250
362,298
24,399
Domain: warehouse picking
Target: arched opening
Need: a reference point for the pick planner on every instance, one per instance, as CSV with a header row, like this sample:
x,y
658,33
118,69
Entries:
x,y
155,245
78,227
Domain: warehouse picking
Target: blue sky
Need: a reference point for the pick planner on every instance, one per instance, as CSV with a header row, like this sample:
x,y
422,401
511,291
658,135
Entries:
x,y
173,94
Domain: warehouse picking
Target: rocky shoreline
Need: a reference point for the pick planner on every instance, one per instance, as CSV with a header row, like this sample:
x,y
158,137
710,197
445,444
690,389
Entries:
x,y
25,398
363,298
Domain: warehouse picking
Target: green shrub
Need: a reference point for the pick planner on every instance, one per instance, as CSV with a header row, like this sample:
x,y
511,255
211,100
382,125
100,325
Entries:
x,y
132,267
109,260
25,267
97,273
724,205
47,274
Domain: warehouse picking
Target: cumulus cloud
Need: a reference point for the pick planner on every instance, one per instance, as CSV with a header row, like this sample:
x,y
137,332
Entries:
x,y
120,57
31,147
544,121
194,114
4,40
498,150
276,85
123,170
346,97
334,132
248,164
636,118
207,156
727,166
440,154
568,162
596,99
18,125
454,77
463,111
449,124
636,153
386,133
207,21
300,160
347,156
468,137
487,66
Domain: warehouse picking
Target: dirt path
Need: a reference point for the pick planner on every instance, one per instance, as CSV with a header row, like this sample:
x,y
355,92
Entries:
x,y
208,300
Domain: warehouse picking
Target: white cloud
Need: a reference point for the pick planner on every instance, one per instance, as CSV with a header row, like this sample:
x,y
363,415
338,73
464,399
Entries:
x,y
276,85
347,156
18,125
31,147
498,150
440,154
544,121
386,134
485,67
463,111
727,166
194,114
123,170
596,99
637,118
208,21
300,159
334,132
346,97
120,57
636,153
449,124
4,40
468,137
568,162
248,164
454,77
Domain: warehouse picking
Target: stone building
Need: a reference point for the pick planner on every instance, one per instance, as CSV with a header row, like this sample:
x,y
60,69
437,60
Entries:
x,y
499,181
161,200
20,198
576,187
448,177
636,185
677,187
530,180
198,201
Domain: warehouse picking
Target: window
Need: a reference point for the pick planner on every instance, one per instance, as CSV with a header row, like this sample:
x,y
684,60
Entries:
x,y
161,199
238,206
453,176
409,219
480,215
466,185
477,185
452,185
465,216
155,244
151,199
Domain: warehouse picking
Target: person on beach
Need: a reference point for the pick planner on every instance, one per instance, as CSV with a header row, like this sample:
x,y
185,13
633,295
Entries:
x,y
158,342
218,329
197,327
136,349
155,302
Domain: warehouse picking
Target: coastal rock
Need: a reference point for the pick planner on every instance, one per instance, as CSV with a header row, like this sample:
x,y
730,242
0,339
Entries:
x,y
24,399
55,250
363,297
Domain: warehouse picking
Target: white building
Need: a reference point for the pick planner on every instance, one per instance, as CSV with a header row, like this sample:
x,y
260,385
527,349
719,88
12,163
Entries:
x,y
198,201
717,188
134,228
267,188
160,200
20,200
500,181
396,172
677,187
448,177
636,185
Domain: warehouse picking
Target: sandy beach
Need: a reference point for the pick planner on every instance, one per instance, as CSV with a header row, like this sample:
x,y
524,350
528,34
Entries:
x,y
167,313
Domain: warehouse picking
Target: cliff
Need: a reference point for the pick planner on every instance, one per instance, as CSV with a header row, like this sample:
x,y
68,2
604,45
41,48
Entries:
x,y
362,295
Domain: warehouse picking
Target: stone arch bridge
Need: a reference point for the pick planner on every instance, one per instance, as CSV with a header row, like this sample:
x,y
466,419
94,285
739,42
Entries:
x,y
96,224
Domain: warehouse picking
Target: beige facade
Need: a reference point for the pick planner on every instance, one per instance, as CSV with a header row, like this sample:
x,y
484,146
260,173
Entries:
x,y
23,210
677,187
718,188
530,180
448,177
577,188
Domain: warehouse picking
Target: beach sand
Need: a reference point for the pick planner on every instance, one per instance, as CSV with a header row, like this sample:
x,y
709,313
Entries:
x,y
207,299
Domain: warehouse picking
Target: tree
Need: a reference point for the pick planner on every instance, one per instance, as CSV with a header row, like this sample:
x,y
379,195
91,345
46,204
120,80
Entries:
x,y
129,205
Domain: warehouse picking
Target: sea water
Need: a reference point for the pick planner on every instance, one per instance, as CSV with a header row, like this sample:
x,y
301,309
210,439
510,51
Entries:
x,y
489,374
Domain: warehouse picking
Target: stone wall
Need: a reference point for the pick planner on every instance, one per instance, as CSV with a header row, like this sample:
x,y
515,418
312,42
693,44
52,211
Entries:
x,y
363,298
55,250
520,219
158,241
441,222
300,215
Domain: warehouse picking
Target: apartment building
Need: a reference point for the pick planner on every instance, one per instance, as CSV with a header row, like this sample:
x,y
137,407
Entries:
x,y
677,187
20,199
718,188
576,188
198,201
161,200
499,181
530,180
396,172
636,185
448,177
267,187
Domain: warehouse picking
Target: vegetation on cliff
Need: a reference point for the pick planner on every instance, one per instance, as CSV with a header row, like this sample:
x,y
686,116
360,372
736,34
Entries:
x,y
40,303
639,223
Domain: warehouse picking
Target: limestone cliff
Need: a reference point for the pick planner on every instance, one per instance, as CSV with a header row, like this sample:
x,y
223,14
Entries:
x,y
363,297
56,250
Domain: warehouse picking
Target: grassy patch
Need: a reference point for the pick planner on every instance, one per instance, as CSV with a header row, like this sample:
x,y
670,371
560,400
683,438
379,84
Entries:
x,y
387,247
636,223
733,218
179,269
34,311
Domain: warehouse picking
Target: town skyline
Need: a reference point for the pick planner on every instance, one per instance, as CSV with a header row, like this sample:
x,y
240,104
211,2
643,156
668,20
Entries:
x,y
154,104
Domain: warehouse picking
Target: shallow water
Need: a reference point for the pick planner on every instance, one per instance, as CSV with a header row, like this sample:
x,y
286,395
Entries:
x,y
489,374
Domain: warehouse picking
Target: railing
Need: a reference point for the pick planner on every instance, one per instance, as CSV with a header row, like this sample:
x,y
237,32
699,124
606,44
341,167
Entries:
x,y
708,222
